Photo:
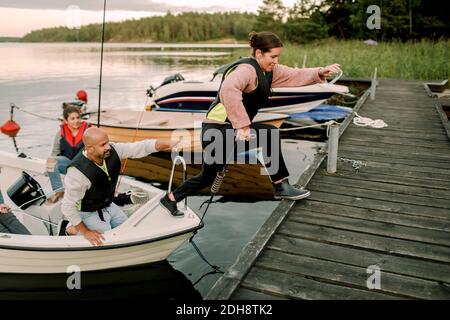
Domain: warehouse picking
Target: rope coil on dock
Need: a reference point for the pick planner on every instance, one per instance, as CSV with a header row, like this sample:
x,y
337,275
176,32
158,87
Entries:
x,y
356,164
367,122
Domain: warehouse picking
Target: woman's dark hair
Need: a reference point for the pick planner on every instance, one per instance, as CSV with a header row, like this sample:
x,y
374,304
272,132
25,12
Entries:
x,y
70,108
263,41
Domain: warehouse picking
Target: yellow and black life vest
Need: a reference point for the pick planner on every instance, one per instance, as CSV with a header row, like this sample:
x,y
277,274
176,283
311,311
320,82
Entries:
x,y
253,101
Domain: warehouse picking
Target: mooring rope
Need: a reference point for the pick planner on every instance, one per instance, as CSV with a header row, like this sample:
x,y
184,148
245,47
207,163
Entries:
x,y
34,114
328,123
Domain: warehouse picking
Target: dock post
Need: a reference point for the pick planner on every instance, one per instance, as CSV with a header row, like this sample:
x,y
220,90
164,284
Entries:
x,y
373,86
304,60
333,141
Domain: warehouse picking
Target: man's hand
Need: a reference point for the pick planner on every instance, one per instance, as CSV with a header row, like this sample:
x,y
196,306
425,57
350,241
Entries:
x,y
94,237
4,208
169,145
329,70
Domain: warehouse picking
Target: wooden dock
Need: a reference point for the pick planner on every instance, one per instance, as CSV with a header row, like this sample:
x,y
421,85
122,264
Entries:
x,y
393,213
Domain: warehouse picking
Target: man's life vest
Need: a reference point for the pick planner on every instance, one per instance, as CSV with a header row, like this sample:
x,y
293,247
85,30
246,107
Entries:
x,y
101,193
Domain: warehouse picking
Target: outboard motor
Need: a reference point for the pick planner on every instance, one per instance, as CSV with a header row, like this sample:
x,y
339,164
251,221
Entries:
x,y
173,78
26,191
170,79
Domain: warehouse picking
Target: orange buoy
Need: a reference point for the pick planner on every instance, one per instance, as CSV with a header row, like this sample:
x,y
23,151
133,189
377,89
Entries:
x,y
82,95
10,128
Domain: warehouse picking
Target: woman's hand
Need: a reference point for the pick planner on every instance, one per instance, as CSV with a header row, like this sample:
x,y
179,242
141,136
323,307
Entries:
x,y
329,70
243,134
4,208
51,164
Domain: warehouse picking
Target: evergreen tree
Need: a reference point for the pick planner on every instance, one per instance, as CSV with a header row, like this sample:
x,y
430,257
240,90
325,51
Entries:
x,y
270,16
305,23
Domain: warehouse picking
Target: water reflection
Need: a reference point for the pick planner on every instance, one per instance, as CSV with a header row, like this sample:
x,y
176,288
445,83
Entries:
x,y
158,281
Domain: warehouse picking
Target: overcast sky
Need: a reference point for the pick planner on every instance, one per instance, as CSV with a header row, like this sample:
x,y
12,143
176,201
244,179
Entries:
x,y
18,17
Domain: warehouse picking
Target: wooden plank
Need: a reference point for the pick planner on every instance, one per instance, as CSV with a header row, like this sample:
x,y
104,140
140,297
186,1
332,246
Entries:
x,y
410,126
249,294
417,130
348,181
395,157
384,229
401,114
432,180
360,240
417,268
401,152
376,204
373,174
392,141
416,101
399,123
371,215
374,166
283,284
389,143
350,276
400,119
358,190
403,166
367,132
393,111
370,132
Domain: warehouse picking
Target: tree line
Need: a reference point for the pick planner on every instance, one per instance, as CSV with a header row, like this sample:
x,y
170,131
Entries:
x,y
304,22
185,27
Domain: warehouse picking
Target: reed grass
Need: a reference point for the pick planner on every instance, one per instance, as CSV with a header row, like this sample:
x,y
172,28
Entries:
x,y
421,60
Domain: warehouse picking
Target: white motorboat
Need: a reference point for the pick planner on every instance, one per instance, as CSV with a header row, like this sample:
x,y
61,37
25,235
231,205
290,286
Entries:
x,y
177,94
150,234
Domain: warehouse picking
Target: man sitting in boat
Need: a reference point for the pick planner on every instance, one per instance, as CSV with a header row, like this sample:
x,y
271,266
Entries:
x,y
91,182
67,143
8,221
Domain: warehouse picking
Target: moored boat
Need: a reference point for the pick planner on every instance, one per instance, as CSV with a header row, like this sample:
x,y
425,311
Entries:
x,y
124,125
177,94
245,180
149,234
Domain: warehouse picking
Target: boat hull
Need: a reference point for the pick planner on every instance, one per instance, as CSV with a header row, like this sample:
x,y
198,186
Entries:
x,y
35,261
154,280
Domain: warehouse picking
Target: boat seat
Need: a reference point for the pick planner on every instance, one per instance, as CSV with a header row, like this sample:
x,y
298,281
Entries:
x,y
48,212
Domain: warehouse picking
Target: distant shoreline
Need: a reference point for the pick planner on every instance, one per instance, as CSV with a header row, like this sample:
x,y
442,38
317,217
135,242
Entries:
x,y
139,45
10,39
218,43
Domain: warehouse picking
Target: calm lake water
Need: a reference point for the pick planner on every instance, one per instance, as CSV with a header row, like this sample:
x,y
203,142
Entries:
x,y
39,77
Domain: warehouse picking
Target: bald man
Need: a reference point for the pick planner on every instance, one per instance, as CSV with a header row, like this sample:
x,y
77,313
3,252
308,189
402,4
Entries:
x,y
91,181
